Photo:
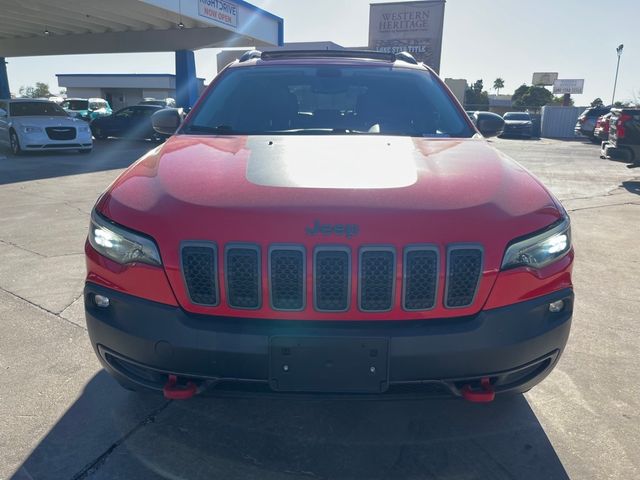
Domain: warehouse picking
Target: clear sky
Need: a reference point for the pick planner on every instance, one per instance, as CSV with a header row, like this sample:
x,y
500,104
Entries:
x,y
482,39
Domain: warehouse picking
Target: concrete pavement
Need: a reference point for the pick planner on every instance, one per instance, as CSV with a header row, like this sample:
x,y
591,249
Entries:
x,y
62,417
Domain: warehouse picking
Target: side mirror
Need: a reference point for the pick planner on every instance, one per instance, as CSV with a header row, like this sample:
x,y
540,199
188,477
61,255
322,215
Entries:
x,y
3,112
166,121
489,124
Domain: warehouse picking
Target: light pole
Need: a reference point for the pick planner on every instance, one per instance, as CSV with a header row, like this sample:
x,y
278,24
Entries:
x,y
615,83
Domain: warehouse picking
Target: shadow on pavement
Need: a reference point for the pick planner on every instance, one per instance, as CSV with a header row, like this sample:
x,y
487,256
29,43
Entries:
x,y
632,186
106,155
290,438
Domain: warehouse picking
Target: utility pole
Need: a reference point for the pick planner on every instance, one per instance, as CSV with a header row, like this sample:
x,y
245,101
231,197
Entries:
x,y
615,83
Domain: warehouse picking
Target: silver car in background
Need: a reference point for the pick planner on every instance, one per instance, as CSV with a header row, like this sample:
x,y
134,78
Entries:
x,y
37,125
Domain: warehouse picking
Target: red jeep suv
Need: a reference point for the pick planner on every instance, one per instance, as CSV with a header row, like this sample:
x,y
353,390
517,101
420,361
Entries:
x,y
328,222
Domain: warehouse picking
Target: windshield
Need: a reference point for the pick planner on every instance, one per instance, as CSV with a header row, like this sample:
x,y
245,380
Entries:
x,y
76,105
29,109
517,116
328,99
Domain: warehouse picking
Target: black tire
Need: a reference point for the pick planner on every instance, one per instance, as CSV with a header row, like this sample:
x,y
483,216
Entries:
x,y
98,134
14,143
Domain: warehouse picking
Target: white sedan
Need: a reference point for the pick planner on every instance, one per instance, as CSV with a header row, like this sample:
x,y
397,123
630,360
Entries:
x,y
36,125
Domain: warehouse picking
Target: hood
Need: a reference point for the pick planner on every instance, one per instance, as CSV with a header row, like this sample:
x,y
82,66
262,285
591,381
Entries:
x,y
310,175
347,190
47,121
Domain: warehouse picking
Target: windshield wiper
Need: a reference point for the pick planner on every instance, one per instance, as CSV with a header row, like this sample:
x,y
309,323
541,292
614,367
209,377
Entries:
x,y
223,129
310,131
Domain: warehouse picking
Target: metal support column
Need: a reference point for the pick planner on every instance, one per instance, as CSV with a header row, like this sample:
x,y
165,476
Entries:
x,y
186,82
4,80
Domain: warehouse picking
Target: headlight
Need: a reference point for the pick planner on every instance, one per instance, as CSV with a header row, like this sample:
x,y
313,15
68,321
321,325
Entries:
x,y
541,249
28,129
121,245
84,129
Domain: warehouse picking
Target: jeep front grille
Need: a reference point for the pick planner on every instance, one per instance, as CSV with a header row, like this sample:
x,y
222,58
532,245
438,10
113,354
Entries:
x,y
376,279
199,267
464,268
243,277
287,278
420,278
332,279
377,285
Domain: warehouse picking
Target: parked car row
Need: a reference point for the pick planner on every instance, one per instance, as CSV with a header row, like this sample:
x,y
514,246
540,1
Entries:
x,y
623,139
587,122
41,124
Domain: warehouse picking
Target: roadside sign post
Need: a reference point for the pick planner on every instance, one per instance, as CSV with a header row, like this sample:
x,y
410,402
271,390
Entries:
x,y
414,27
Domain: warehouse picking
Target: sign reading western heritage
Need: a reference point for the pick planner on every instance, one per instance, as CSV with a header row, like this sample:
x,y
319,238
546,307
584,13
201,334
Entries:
x,y
220,11
414,27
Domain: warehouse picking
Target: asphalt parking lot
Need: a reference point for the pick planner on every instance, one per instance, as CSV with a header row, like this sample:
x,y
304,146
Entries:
x,y
62,417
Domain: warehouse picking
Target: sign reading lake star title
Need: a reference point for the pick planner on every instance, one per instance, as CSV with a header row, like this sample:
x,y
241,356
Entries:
x,y
414,27
220,11
570,86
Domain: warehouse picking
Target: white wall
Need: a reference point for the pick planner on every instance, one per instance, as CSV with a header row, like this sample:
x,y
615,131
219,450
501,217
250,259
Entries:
x,y
76,92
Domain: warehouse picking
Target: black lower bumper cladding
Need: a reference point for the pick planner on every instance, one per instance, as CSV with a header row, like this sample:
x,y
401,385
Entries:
x,y
506,349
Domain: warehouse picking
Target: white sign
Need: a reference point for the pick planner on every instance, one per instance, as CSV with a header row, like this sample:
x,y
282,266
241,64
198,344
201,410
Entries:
x,y
220,11
544,78
414,27
568,86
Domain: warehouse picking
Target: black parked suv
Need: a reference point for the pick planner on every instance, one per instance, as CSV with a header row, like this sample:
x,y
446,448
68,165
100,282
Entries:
x,y
586,123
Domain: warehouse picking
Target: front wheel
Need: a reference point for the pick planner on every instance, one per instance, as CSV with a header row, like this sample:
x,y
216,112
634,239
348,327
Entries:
x,y
98,133
14,143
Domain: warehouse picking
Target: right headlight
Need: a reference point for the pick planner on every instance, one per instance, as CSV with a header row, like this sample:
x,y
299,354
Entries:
x,y
540,250
120,244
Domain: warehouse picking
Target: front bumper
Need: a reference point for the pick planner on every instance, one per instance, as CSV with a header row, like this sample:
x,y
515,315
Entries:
x,y
41,142
515,346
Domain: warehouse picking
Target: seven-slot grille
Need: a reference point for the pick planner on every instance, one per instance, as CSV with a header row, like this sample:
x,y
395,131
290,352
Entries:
x,y
376,279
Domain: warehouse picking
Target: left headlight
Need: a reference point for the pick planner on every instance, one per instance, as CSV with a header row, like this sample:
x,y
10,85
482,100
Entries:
x,y
540,249
120,244
84,129
29,129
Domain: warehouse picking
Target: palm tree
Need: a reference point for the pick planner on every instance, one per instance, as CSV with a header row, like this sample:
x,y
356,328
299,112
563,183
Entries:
x,y
498,83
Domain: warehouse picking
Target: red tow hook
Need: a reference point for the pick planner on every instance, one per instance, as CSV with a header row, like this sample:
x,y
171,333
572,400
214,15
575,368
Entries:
x,y
173,391
487,394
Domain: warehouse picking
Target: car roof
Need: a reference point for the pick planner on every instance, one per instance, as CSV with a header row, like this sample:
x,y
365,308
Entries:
x,y
18,100
328,57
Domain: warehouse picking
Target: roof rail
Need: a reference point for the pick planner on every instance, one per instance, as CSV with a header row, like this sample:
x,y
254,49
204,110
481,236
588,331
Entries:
x,y
367,54
250,55
406,57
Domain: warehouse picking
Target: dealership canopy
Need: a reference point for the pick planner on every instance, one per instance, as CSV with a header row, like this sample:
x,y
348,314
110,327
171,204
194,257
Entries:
x,y
63,27
60,27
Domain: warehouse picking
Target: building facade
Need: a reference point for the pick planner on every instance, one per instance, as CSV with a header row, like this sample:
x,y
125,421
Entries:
x,y
121,90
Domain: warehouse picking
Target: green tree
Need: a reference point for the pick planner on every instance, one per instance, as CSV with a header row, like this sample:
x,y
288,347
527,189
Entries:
x,y
597,102
560,101
531,96
498,84
475,97
40,90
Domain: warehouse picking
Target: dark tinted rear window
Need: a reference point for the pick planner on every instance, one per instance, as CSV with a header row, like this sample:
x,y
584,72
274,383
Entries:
x,y
328,99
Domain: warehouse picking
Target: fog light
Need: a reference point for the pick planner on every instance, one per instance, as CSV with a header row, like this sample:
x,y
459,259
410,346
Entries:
x,y
101,301
554,307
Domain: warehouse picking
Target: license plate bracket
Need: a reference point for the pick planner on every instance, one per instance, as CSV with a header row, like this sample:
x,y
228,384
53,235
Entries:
x,y
328,364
